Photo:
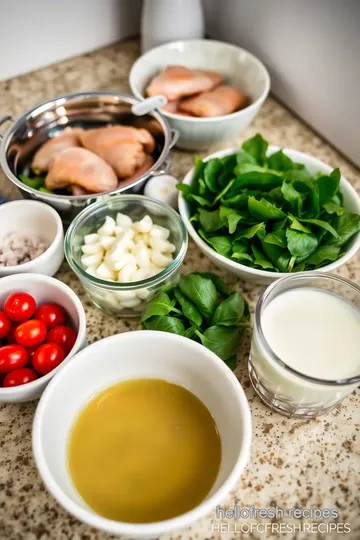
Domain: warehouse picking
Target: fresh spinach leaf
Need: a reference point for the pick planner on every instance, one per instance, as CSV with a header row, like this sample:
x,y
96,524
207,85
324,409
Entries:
x,y
221,244
321,255
328,186
211,171
278,238
245,157
301,244
257,148
346,225
264,210
323,224
295,224
210,220
250,232
260,259
202,201
160,305
230,218
280,161
241,256
221,340
201,292
332,208
189,309
293,196
278,257
255,177
230,311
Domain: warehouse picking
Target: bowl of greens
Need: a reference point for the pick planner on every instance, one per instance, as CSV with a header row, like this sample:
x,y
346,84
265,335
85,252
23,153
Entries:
x,y
263,212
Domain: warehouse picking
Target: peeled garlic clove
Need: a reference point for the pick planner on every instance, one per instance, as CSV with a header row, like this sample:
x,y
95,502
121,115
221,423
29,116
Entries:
x,y
123,221
131,303
108,228
106,241
159,244
91,238
140,274
104,272
124,239
143,293
116,252
143,257
114,265
90,249
160,260
125,295
92,260
126,273
129,258
160,232
144,225
91,270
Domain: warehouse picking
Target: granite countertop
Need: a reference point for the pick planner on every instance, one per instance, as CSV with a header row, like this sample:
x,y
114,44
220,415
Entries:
x,y
310,463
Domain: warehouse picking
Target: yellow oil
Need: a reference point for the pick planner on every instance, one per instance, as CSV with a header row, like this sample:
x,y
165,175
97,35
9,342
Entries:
x,y
144,450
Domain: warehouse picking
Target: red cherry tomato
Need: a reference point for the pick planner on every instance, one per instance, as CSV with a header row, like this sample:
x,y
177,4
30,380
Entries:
x,y
19,306
19,376
51,315
63,336
5,324
47,357
10,337
30,333
12,357
31,351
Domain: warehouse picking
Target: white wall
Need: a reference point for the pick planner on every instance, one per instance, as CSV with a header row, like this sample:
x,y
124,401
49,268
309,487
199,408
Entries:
x,y
312,50
35,33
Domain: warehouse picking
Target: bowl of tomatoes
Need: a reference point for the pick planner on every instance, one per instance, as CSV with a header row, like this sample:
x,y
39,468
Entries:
x,y
42,325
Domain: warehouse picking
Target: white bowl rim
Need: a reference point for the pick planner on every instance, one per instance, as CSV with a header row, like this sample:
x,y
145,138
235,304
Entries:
x,y
33,385
50,250
160,527
194,42
246,269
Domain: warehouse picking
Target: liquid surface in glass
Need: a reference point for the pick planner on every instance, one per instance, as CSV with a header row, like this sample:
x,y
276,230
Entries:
x,y
144,450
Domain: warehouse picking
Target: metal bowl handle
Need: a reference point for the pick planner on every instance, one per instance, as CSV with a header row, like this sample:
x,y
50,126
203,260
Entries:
x,y
164,169
174,137
6,118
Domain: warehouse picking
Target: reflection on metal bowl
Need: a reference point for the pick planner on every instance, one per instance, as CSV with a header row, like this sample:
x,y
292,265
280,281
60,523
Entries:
x,y
86,110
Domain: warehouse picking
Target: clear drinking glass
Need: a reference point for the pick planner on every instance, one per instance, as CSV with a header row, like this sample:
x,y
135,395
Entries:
x,y
281,387
110,296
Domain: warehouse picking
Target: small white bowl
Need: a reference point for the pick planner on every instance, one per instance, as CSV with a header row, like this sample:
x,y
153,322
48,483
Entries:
x,y
141,354
351,202
239,68
37,218
44,289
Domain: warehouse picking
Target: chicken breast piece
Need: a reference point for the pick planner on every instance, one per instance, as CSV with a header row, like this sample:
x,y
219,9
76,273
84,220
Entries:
x,y
148,163
122,147
66,139
80,167
179,81
218,102
171,106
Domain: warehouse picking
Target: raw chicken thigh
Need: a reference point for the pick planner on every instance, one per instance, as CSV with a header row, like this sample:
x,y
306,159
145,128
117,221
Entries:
x,y
218,102
178,81
67,139
80,167
148,163
122,147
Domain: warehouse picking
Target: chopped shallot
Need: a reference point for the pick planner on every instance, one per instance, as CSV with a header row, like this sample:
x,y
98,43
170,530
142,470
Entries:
x,y
18,248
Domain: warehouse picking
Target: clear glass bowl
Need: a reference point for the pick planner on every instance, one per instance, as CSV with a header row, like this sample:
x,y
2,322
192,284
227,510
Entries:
x,y
110,296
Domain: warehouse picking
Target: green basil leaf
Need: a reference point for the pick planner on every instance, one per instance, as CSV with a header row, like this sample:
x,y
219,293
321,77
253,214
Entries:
x,y
201,292
301,244
189,332
257,148
230,311
346,226
217,281
264,210
210,220
231,362
160,305
173,325
189,309
221,340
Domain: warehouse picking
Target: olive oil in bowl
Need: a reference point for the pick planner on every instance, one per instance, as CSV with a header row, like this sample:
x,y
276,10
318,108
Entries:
x,y
144,450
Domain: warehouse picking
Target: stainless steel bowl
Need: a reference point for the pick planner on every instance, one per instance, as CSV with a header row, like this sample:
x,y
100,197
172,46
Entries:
x,y
90,109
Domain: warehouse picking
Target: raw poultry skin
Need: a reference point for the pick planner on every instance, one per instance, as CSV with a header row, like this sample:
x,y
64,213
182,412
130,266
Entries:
x,y
218,102
80,167
122,147
67,139
148,163
179,81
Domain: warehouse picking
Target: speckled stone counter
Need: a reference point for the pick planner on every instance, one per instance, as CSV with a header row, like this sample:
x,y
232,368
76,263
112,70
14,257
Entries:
x,y
313,463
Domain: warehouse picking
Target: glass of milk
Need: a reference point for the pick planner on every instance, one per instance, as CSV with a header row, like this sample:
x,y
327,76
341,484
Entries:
x,y
305,350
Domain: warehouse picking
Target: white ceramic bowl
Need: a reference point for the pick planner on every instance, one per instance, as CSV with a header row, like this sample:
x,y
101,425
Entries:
x,y
351,202
33,217
239,68
141,354
43,289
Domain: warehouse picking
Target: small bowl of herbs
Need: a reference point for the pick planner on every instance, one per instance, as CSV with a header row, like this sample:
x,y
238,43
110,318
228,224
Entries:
x,y
263,212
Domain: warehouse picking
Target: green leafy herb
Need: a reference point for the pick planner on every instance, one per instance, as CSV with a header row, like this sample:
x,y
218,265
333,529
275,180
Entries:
x,y
221,340
189,309
201,291
36,182
230,311
161,306
172,325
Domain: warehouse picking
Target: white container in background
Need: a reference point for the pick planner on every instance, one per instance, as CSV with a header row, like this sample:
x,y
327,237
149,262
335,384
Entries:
x,y
163,21
305,355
